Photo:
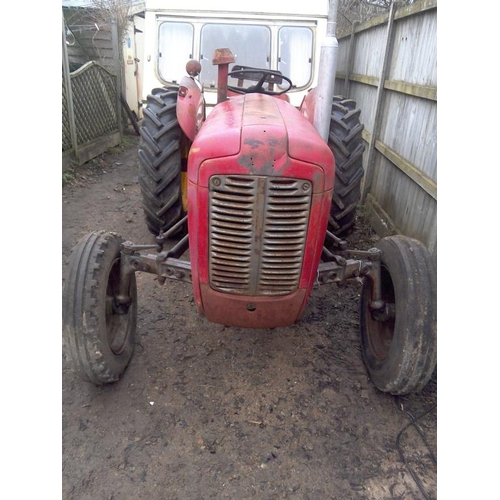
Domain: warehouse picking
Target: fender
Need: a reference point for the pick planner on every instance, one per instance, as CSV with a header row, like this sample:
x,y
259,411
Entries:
x,y
190,107
308,104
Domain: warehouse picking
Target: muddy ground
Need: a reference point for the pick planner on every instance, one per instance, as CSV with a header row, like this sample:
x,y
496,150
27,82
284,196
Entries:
x,y
204,411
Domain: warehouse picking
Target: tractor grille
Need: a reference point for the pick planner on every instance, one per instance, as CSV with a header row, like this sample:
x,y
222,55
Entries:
x,y
257,229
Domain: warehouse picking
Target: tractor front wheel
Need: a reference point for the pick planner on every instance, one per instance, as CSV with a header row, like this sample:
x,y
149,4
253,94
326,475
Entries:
x,y
399,347
98,332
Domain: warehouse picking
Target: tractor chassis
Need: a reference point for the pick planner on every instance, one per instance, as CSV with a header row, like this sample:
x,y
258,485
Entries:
x,y
336,267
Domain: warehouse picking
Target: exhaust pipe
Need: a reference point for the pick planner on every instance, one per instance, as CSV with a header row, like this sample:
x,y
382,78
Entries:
x,y
327,71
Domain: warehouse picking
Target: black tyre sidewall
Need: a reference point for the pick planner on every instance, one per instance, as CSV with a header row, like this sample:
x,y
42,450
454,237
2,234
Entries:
x,y
412,355
346,128
115,364
160,162
385,373
84,310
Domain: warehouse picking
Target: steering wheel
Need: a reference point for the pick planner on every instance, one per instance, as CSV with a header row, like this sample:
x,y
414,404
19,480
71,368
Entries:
x,y
261,76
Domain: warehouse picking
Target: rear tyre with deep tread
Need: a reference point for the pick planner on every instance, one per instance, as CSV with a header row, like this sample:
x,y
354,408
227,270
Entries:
x,y
98,335
160,161
347,145
400,350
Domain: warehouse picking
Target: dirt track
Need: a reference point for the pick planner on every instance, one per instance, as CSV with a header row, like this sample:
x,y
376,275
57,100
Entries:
x,y
205,411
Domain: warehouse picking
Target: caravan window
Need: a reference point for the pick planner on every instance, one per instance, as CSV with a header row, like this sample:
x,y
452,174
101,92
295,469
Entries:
x,y
295,54
175,49
250,45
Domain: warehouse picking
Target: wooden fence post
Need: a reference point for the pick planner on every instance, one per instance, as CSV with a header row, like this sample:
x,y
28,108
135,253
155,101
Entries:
x,y
370,161
350,58
69,92
116,58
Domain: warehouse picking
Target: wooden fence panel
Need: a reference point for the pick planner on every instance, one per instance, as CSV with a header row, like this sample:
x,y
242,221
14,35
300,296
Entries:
x,y
368,52
409,126
91,109
96,111
414,55
398,103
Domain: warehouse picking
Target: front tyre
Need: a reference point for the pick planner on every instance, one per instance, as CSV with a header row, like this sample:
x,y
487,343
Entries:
x,y
98,333
399,348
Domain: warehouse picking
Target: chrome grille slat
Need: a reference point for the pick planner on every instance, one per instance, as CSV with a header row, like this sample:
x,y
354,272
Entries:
x,y
234,251
223,231
257,231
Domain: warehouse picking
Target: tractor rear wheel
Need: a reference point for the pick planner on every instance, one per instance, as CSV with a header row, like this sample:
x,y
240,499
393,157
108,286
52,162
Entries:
x,y
347,146
399,348
160,161
98,332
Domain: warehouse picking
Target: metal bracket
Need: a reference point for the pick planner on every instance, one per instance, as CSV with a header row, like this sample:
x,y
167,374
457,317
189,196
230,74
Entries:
x,y
335,272
165,264
339,269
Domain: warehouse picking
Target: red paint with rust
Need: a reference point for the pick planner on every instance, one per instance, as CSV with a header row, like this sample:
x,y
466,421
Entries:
x,y
190,107
222,58
283,97
308,105
256,135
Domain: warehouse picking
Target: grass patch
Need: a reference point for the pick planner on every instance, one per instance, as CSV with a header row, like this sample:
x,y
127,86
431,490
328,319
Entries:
x,y
129,140
68,176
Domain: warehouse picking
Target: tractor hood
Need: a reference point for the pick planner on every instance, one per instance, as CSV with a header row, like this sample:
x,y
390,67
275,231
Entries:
x,y
261,135
259,194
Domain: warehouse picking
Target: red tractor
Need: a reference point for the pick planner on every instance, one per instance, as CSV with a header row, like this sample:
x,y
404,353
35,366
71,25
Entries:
x,y
261,200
